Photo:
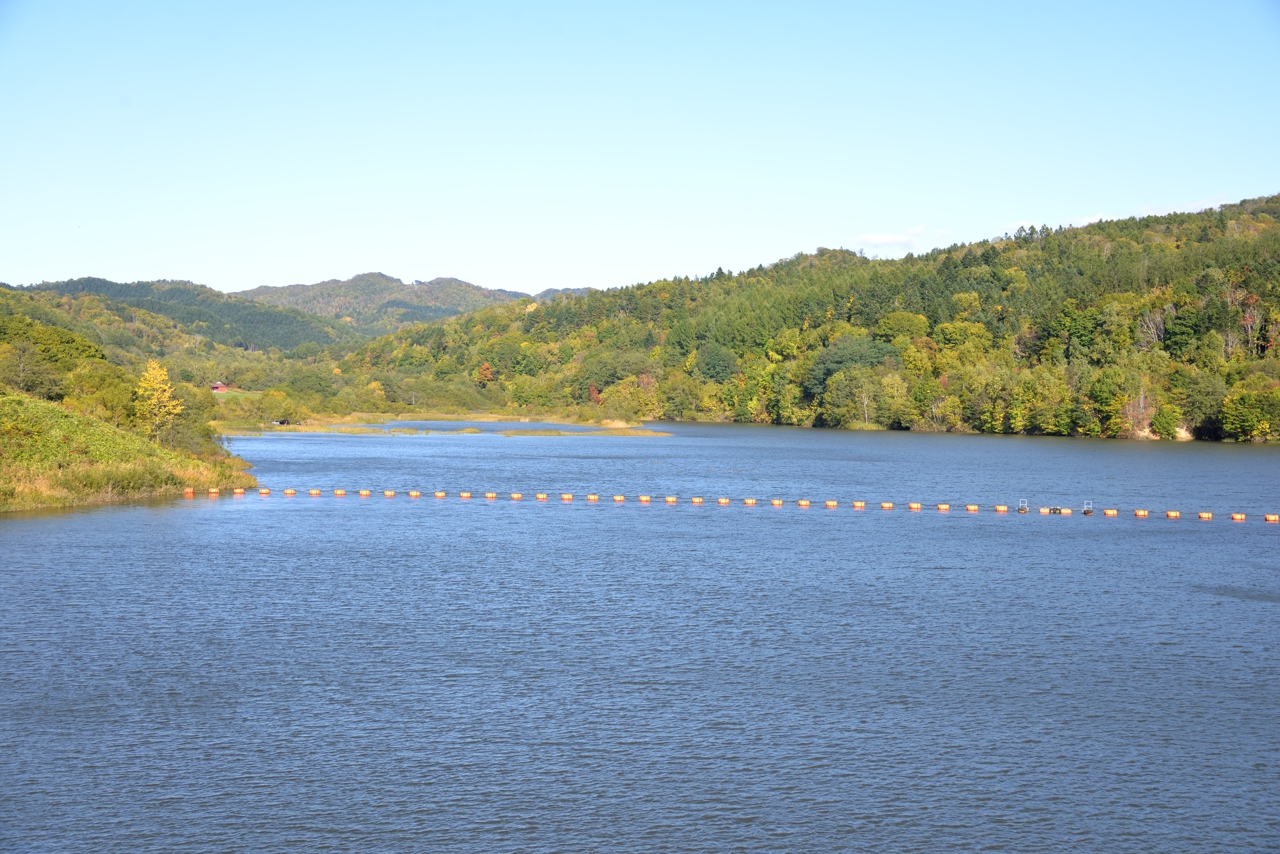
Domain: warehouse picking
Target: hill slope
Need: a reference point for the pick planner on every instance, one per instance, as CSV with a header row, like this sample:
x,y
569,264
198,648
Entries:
x,y
1165,324
52,457
376,303
223,319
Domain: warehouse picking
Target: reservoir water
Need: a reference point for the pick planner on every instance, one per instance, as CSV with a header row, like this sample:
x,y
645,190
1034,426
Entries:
x,y
352,674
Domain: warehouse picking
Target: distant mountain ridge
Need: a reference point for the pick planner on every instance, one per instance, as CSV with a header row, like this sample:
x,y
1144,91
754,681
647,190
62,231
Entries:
x,y
223,318
375,303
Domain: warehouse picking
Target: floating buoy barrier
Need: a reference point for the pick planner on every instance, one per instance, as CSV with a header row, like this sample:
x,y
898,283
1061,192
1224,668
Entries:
x,y
593,497
645,499
465,496
516,496
264,491
1172,514
1141,514
388,493
1205,517
832,505
749,502
1065,511
1237,517
1044,511
566,496
944,508
618,499
913,505
775,502
1002,508
213,491
886,505
671,499
314,493
541,496
291,492
1272,518
339,493
364,493
413,493
859,505
971,508
723,502
239,490
1110,511
696,500
439,494
803,502
490,496
189,492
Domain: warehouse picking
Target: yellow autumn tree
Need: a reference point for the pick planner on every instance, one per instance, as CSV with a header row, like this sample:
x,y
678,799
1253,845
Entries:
x,y
156,407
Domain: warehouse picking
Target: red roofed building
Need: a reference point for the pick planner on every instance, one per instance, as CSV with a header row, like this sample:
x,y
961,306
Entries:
x,y
219,387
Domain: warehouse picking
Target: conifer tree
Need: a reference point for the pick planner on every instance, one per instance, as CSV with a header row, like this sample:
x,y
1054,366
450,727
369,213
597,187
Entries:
x,y
156,408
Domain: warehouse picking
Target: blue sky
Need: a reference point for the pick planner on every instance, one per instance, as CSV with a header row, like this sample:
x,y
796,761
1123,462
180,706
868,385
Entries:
x,y
527,146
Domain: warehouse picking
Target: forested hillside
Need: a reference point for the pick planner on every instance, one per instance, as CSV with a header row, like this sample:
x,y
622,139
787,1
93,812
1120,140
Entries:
x,y
374,303
1162,325
207,313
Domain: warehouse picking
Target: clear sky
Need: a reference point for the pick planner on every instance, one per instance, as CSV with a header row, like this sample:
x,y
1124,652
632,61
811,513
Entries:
x,y
527,146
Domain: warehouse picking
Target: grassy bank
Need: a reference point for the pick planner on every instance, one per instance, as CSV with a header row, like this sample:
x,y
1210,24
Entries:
x,y
50,457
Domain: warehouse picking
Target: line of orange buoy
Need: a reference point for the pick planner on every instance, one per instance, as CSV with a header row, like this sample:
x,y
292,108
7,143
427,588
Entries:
x,y
915,506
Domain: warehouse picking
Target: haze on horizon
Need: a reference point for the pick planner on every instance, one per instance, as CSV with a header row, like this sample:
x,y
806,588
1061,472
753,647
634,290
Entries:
x,y
571,146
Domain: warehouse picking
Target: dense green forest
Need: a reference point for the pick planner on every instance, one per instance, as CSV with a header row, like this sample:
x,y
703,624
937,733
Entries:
x,y
1162,326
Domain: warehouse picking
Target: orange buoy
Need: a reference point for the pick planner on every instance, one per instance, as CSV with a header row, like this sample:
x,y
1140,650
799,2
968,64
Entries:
x,y
339,493
189,491
239,490
749,502
291,492
913,505
413,493
803,502
1110,511
1237,517
593,497
364,493
314,493
1141,514
776,502
859,505
1002,508
541,496
618,499
671,499
214,492
439,494
832,505
516,496
696,499
644,499
722,501
1271,517
465,496
886,505
388,493
944,508
1065,511
971,508
1172,514
1205,517
264,491
566,496
490,496
1044,511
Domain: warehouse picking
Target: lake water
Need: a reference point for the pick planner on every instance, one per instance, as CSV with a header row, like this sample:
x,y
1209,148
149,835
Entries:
x,y
438,675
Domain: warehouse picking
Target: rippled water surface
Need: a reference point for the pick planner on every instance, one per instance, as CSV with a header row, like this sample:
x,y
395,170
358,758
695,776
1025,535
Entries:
x,y
438,675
